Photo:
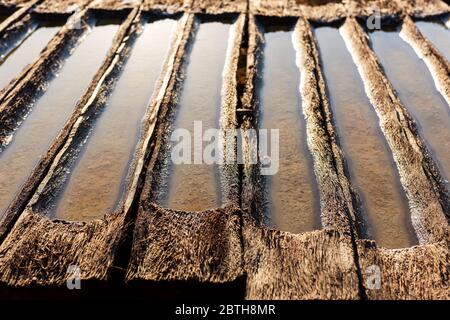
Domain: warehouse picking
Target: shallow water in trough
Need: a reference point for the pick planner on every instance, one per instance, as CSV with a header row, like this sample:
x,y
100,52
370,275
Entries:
x,y
49,113
368,156
25,53
415,87
99,179
196,187
291,194
438,35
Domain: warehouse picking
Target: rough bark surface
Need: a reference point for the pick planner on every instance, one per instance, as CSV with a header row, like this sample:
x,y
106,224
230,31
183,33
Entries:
x,y
425,188
61,243
218,231
313,265
17,99
39,251
435,61
178,246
